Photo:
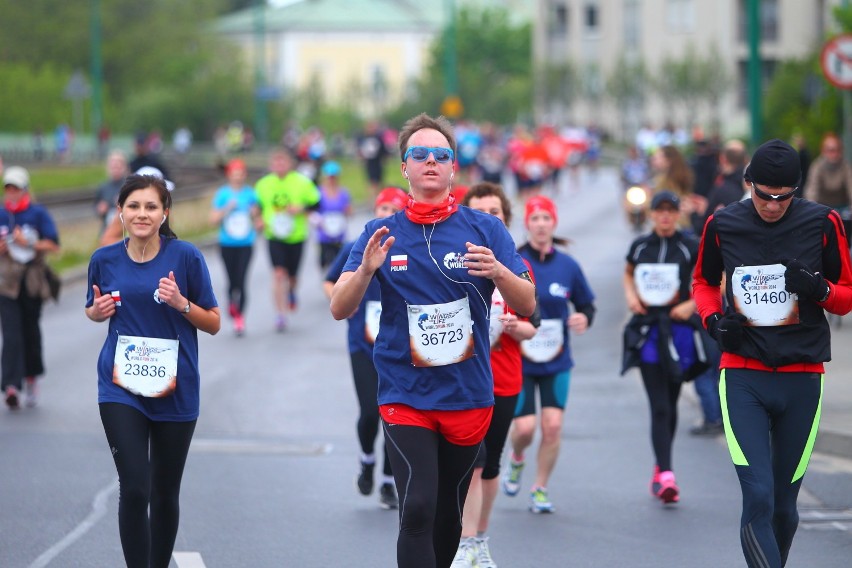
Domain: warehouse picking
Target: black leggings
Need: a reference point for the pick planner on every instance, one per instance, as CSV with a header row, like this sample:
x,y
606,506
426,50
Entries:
x,y
432,478
662,399
236,260
21,331
771,421
367,389
495,437
146,478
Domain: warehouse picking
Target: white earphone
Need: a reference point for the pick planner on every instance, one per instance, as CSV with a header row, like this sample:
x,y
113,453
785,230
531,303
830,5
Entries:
x,y
121,217
405,175
164,220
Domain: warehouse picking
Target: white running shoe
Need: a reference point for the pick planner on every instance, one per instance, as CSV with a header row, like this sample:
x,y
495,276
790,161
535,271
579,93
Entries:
x,y
466,554
511,481
483,555
30,392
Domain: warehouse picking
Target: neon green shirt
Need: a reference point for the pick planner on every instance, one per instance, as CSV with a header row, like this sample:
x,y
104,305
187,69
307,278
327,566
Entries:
x,y
275,194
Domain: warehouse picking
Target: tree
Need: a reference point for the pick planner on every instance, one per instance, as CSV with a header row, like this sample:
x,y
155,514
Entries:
x,y
628,86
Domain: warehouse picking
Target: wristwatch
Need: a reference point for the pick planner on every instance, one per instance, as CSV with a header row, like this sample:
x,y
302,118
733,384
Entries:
x,y
186,309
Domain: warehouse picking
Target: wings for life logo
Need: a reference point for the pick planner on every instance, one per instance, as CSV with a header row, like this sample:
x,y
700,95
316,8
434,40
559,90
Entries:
x,y
655,281
759,281
437,320
454,260
157,296
142,353
557,290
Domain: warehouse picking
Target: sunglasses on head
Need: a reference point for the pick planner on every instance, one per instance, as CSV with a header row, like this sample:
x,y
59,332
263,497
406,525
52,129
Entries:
x,y
770,197
421,154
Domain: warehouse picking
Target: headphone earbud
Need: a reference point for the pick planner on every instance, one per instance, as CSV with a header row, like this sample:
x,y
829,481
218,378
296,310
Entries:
x,y
405,175
121,217
164,220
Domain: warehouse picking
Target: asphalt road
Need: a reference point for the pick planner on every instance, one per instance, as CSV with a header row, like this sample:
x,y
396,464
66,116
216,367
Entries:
x,y
270,477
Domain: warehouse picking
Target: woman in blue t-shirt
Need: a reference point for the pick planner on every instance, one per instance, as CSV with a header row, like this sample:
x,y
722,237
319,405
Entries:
x,y
156,293
547,359
235,210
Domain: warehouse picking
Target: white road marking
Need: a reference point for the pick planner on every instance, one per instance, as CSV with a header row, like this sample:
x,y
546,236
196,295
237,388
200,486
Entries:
x,y
99,509
188,560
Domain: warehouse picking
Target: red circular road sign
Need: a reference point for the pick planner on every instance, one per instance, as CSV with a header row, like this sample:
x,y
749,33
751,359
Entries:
x,y
836,60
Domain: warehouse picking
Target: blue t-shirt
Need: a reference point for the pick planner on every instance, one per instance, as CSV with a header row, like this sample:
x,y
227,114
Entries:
x,y
425,267
141,314
358,332
237,228
559,280
34,218
332,212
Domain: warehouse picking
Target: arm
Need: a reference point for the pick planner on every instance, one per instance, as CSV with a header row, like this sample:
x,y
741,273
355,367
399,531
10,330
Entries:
x,y
102,308
707,278
517,291
836,267
207,320
351,286
634,304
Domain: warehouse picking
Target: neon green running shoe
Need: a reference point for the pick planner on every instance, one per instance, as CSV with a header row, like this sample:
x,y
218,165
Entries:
x,y
511,481
539,502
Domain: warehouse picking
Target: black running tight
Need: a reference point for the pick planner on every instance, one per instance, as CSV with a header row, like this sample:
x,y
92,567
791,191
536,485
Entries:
x,y
662,399
367,389
147,478
236,260
432,477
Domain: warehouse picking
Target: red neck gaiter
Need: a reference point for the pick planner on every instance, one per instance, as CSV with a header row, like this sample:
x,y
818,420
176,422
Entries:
x,y
22,204
428,213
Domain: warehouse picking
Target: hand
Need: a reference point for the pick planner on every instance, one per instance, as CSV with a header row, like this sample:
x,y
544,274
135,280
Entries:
x,y
169,292
480,261
799,279
376,252
682,311
727,330
103,306
578,323
634,304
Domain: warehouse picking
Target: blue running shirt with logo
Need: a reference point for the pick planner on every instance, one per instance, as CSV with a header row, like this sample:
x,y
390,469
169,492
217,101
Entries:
x,y
425,267
357,333
140,313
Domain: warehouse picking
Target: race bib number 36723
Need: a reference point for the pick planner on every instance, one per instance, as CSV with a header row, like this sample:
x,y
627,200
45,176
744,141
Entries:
x,y
440,334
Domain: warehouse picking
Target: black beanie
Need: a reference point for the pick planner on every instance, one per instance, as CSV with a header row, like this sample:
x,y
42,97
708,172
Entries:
x,y
775,164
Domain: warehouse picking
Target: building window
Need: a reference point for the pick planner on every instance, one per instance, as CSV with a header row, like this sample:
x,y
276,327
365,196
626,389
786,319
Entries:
x,y
632,23
768,20
558,21
767,72
592,18
680,16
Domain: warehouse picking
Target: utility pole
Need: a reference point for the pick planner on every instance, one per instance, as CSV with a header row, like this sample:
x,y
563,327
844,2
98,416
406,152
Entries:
x,y
452,106
96,65
755,87
260,92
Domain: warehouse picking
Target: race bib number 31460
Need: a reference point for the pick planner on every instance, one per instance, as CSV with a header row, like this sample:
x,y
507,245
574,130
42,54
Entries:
x,y
760,296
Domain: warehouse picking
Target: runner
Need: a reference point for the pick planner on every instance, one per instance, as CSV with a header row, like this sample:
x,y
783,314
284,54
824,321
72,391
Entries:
x,y
505,332
437,265
363,328
155,291
333,213
785,262
547,359
235,212
657,289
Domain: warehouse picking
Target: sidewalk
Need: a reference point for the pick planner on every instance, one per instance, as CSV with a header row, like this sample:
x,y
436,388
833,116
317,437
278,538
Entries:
x,y
835,433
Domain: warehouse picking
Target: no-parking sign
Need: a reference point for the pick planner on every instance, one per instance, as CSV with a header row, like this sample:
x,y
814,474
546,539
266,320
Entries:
x,y
836,60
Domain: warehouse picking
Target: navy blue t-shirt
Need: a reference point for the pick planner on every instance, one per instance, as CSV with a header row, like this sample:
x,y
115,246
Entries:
x,y
140,313
424,268
358,333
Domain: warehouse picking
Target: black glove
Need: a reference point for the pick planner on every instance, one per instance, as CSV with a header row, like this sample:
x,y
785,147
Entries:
x,y
800,280
727,330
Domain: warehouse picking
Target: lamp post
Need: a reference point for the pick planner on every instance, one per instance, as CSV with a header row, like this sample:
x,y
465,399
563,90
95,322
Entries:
x,y
452,106
755,91
96,65
260,93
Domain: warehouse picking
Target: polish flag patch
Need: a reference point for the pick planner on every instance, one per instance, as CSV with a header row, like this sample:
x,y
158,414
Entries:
x,y
116,297
399,262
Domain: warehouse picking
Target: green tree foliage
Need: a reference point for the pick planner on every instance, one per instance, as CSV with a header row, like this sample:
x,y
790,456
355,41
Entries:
x,y
493,69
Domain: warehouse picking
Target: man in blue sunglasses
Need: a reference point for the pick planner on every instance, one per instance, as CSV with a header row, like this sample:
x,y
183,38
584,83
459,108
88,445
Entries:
x,y
785,262
437,265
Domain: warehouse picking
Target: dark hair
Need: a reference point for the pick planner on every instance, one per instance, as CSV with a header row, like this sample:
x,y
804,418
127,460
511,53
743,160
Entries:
x,y
487,189
135,182
420,122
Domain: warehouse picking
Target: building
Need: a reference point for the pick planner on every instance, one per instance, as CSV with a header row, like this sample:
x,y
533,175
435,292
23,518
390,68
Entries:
x,y
598,39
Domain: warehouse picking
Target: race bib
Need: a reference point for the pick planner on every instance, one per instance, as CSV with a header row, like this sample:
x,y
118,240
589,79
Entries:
x,y
282,225
546,344
495,326
372,317
657,284
333,224
237,225
146,366
440,334
760,296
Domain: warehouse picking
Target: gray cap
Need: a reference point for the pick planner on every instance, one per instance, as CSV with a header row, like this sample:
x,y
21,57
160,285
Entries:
x,y
17,176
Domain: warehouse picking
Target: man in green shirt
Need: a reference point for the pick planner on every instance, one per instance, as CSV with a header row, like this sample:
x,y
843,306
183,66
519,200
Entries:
x,y
285,197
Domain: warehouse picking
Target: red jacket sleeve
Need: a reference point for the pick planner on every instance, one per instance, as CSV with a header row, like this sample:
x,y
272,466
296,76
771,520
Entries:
x,y
707,279
836,266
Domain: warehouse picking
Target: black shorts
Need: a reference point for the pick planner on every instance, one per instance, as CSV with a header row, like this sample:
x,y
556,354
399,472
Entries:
x,y
286,255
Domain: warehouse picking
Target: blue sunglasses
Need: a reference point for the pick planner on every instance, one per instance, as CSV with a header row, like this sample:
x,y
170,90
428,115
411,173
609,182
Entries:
x,y
421,154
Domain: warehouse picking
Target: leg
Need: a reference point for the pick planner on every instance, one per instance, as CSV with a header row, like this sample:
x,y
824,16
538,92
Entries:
x,y
662,414
31,320
292,263
473,505
495,439
229,259
523,426
553,390
240,273
366,388
169,448
455,468
127,433
277,258
13,343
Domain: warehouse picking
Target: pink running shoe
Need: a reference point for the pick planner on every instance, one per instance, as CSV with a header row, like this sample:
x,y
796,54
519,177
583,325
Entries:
x,y
669,492
655,482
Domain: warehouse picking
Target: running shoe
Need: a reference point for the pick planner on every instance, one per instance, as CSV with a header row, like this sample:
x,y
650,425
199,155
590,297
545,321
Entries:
x,y
30,392
239,325
708,429
280,323
655,482
466,554
12,397
232,310
511,481
539,502
669,491
365,478
387,496
483,555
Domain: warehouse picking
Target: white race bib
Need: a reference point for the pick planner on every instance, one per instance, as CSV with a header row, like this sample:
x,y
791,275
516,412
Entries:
x,y
657,284
237,225
760,296
282,225
440,334
146,366
372,317
546,344
333,224
498,309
